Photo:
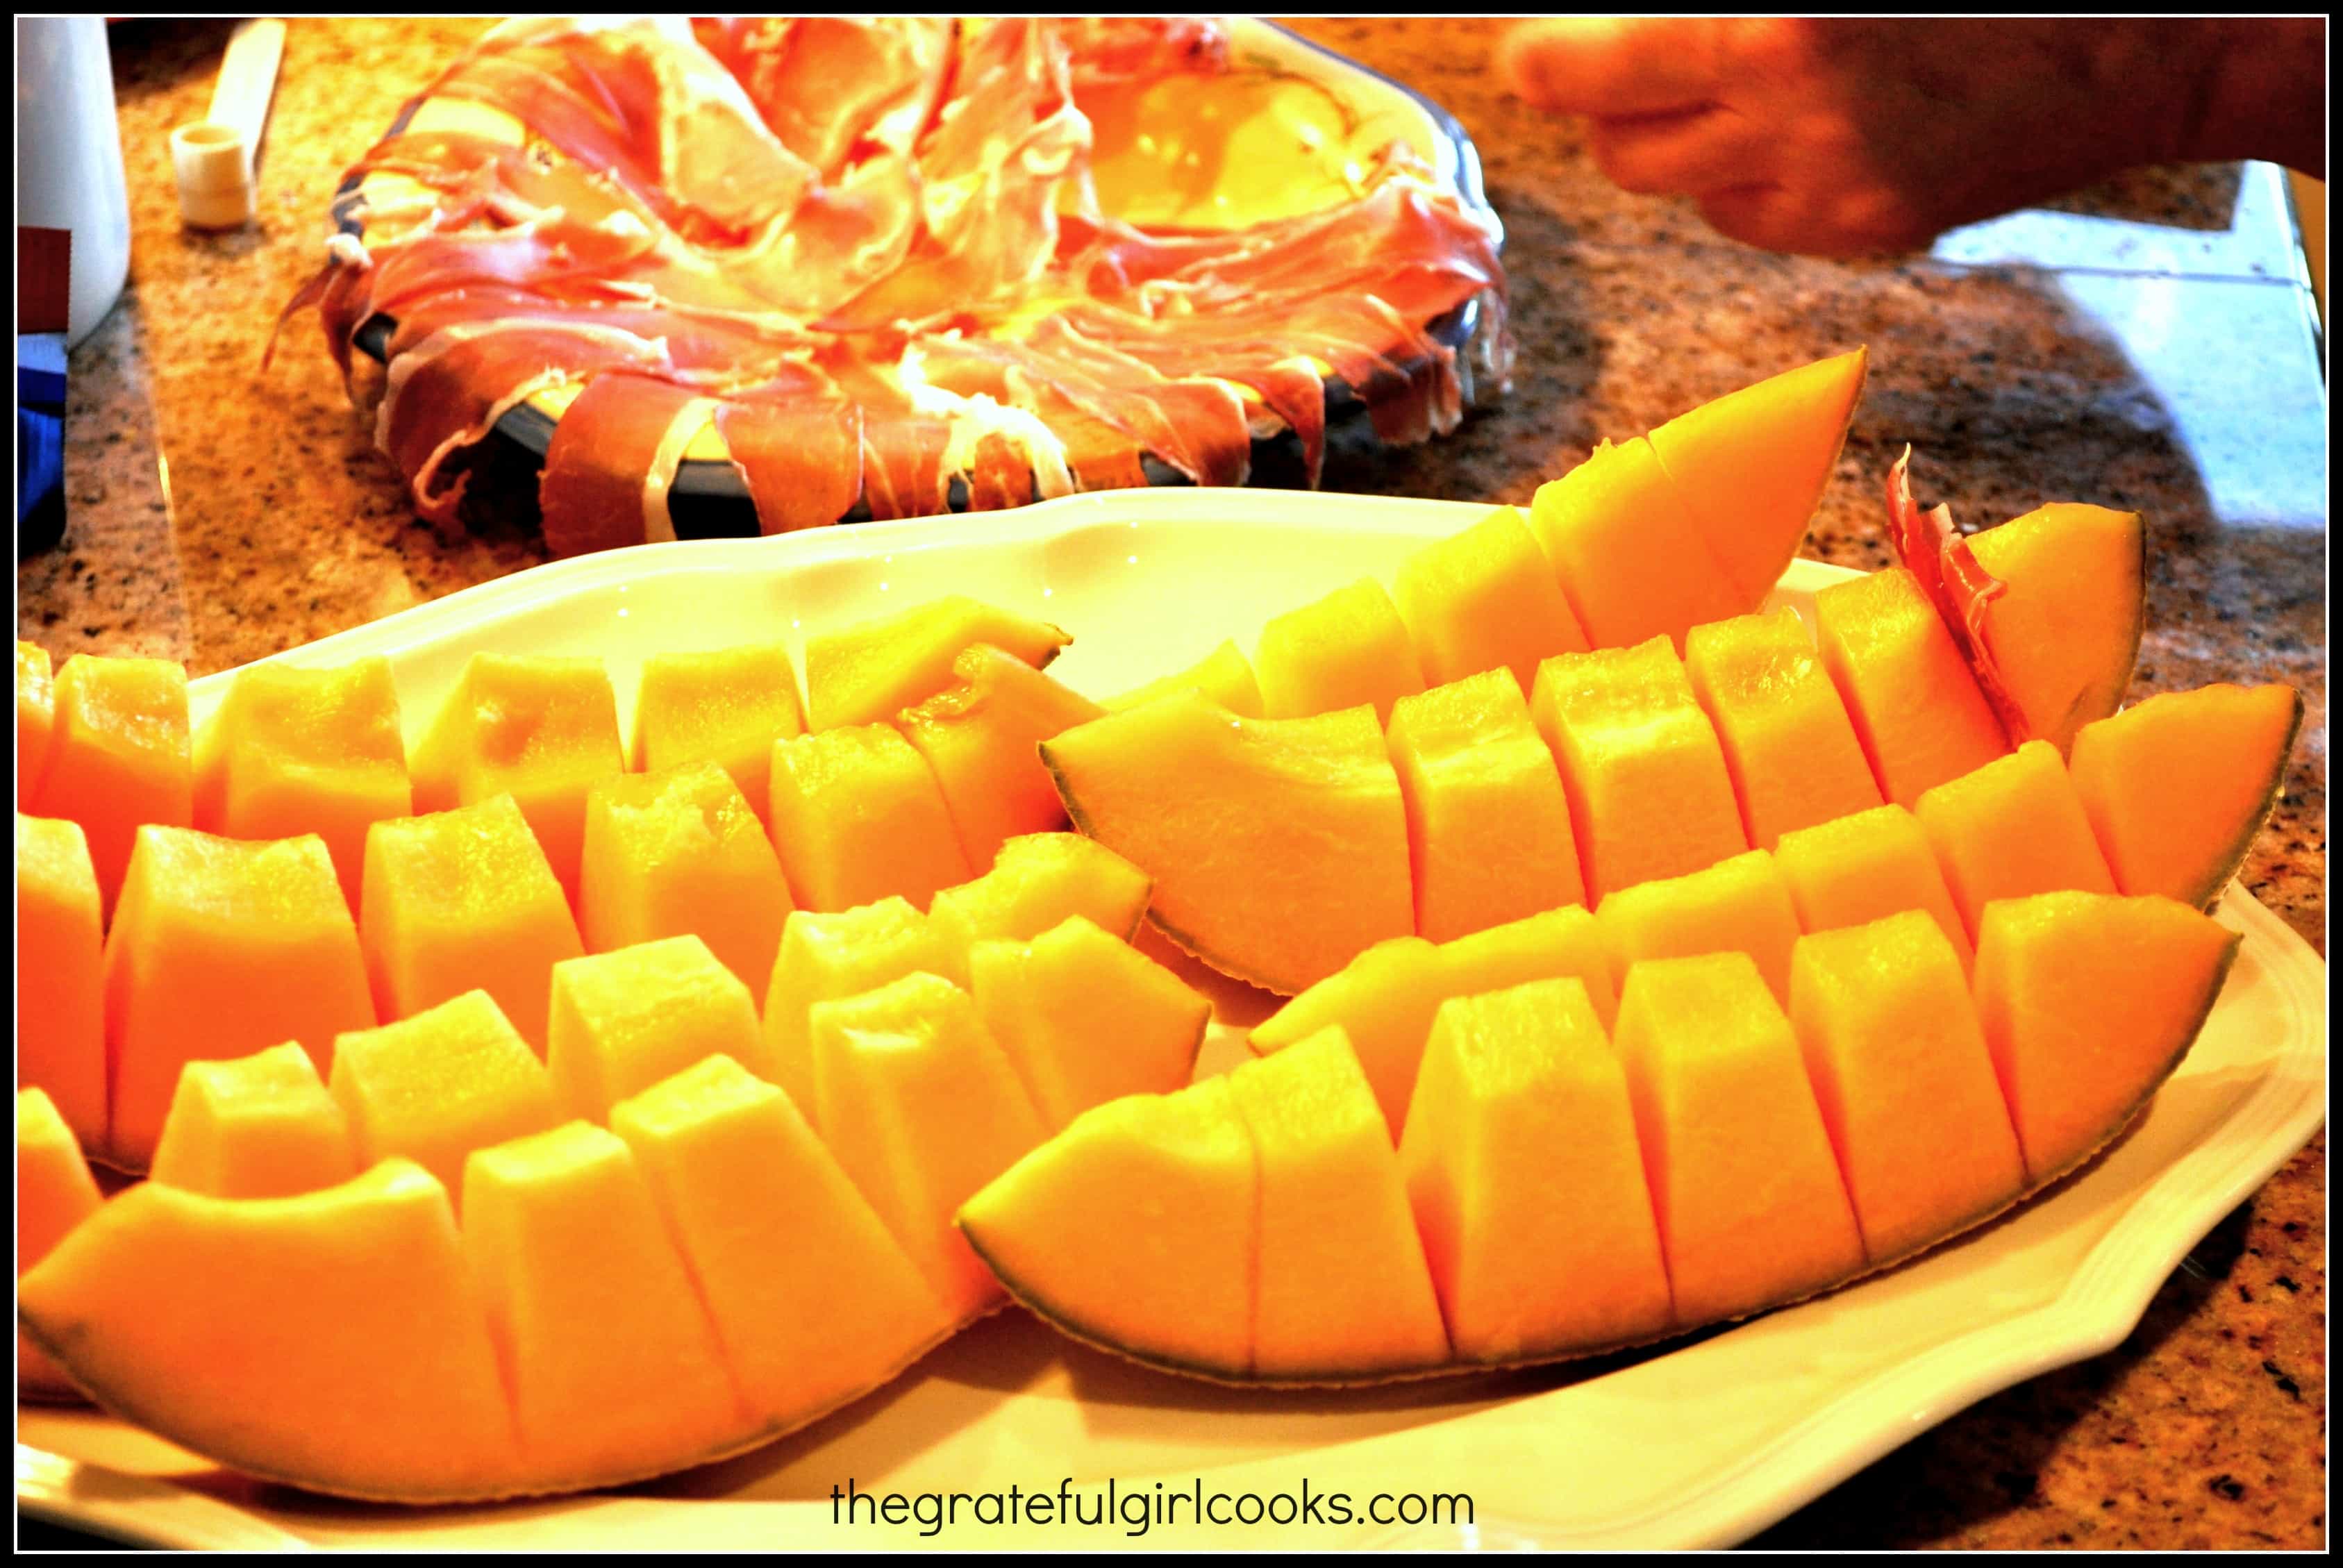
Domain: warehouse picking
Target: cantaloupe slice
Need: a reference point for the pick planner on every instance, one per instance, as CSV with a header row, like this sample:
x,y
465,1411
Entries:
x,y
727,706
2089,1003
1224,676
1137,1228
1488,827
858,816
1344,1291
437,1086
55,1193
1907,1087
118,757
261,1126
1916,705
1788,744
221,946
1485,598
824,957
868,672
980,737
1648,790
333,1340
1038,880
1740,905
542,730
291,750
682,853
60,973
463,900
621,1022
1633,563
1863,868
2063,633
1527,1182
1278,849
36,714
1337,652
2176,788
1751,1207
2013,827
1750,466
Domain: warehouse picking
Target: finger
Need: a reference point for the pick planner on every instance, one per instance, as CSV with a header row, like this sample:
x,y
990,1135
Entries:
x,y
1694,152
1612,64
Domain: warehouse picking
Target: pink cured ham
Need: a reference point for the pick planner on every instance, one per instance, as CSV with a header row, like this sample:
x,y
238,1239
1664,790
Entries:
x,y
798,446
611,459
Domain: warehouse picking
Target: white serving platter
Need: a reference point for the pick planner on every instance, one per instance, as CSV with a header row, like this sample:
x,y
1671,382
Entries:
x,y
1700,1443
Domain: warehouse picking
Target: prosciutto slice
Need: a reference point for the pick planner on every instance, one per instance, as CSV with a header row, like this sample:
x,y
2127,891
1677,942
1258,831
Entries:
x,y
612,459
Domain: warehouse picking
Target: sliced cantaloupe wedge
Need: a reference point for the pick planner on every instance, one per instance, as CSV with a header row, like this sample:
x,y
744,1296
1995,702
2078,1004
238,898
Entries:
x,y
1037,881
858,816
1485,598
118,757
868,672
1224,676
435,1087
1862,868
1788,744
1278,849
2013,827
262,1126
1337,652
55,1193
2063,633
980,737
1915,704
1633,562
621,1022
36,716
60,973
2176,787
727,706
1741,905
824,957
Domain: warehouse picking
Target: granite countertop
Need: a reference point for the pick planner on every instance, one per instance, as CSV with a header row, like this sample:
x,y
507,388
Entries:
x,y
2151,346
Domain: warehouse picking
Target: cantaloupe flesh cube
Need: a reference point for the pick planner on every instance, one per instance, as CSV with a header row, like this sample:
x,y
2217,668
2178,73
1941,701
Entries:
x,y
1485,598
1344,1291
1863,868
461,901
36,713
1039,880
55,1192
118,757
1631,560
222,947
1337,652
261,1126
334,1340
2013,827
623,1020
1648,791
813,1301
1906,1085
1788,744
1914,703
868,672
292,750
680,853
1224,676
1527,1182
1566,943
2089,1003
2065,630
1085,1018
542,730
615,1371
1136,1228
1752,1210
437,1086
921,1108
824,957
60,973
727,707
980,737
858,816
1741,905
1488,827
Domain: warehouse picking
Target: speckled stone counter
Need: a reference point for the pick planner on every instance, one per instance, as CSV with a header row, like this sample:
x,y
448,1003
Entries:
x,y
2151,346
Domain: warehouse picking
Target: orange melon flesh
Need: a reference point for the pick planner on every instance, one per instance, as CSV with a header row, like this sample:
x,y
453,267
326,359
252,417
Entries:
x,y
333,1340
2013,827
1337,652
1740,905
55,1193
1648,791
1488,827
37,714
2065,632
979,738
1915,703
435,1087
1907,1087
1527,1182
922,1107
60,973
1084,1018
291,751
1751,466
858,816
1632,561
1863,868
1224,676
1747,1189
261,1126
1136,1228
118,757
1485,598
867,673
1566,943
1278,847
1344,1290
682,853
727,707
542,729
1039,880
1788,744
813,1301
824,957
614,1369
461,901
2089,1001
2176,788
221,946
622,1022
